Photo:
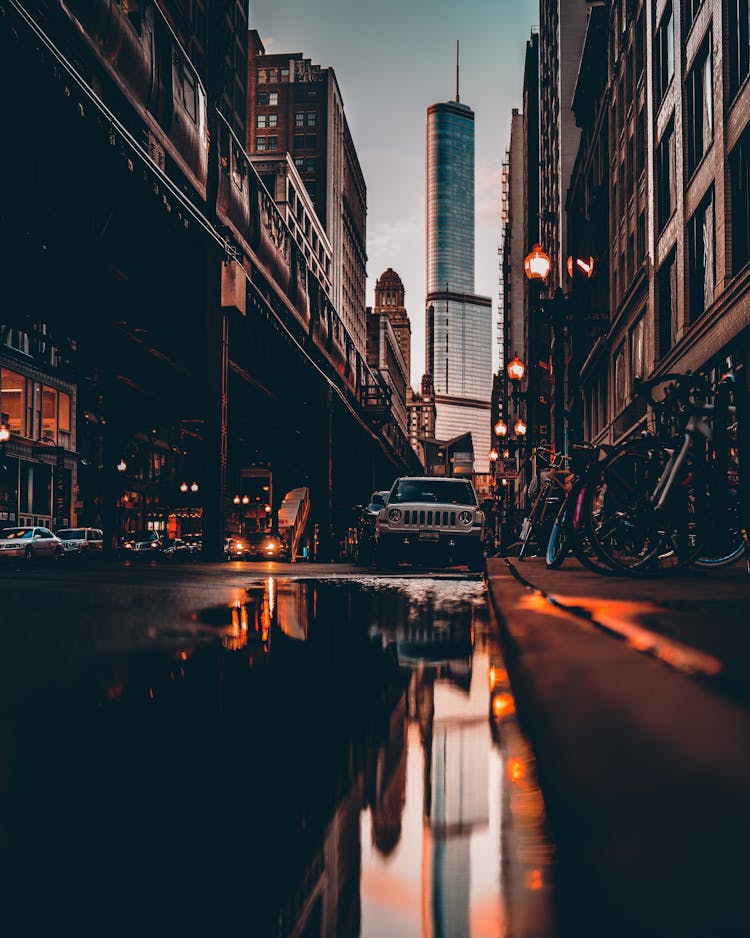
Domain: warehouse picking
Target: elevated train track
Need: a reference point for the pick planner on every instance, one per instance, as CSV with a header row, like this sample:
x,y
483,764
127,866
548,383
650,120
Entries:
x,y
125,239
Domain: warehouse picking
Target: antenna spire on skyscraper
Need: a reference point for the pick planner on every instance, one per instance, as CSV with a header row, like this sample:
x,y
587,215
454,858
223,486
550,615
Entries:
x,y
458,97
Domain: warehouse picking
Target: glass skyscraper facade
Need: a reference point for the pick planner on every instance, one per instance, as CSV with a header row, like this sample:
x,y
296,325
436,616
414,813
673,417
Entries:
x,y
459,323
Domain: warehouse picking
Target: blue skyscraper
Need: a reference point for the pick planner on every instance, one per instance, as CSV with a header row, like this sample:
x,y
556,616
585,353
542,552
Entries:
x,y
459,323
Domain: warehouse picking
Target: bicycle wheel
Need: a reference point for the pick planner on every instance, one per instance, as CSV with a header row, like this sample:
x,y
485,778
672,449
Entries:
x,y
558,545
625,526
723,548
581,545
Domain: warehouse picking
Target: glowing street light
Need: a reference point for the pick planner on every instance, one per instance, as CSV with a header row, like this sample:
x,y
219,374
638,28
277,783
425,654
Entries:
x,y
520,428
537,264
501,428
183,487
493,455
584,265
236,499
122,466
516,369
194,487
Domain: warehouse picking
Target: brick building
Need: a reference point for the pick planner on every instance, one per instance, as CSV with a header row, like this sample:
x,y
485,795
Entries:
x,y
295,107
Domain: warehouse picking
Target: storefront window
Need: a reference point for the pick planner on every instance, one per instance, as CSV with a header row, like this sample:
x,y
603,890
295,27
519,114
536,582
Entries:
x,y
49,414
64,419
13,399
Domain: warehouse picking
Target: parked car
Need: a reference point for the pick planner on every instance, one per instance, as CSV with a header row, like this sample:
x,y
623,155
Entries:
x,y
366,520
30,543
141,544
175,548
257,545
431,519
82,542
194,542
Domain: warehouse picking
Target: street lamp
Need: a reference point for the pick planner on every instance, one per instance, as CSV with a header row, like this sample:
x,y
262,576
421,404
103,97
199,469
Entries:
x,y
516,369
493,455
501,428
519,427
537,264
122,466
183,486
194,487
236,500
4,433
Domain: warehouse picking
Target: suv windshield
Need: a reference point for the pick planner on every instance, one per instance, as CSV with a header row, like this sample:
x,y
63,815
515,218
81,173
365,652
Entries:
x,y
74,534
445,492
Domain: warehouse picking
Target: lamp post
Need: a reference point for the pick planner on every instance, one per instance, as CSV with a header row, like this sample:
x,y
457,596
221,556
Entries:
x,y
494,455
537,267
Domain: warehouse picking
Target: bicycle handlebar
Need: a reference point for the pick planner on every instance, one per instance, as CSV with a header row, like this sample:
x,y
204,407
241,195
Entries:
x,y
682,382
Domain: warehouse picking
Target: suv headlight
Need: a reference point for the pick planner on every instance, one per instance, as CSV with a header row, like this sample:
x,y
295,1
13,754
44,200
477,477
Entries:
x,y
394,515
465,517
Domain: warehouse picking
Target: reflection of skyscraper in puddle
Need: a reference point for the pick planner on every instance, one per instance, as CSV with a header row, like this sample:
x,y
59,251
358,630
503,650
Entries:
x,y
452,717
387,783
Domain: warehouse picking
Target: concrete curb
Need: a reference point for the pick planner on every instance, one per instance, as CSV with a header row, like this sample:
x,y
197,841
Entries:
x,y
646,776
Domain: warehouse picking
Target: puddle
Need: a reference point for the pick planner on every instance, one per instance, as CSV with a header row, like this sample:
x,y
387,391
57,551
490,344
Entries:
x,y
342,759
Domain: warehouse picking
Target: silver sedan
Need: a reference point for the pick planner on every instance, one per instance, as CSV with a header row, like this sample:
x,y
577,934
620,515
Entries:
x,y
29,543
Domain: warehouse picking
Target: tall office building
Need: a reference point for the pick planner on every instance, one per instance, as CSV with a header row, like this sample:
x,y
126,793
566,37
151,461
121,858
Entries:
x,y
459,323
295,107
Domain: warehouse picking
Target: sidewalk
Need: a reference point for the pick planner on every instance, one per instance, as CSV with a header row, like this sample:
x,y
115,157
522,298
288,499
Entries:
x,y
645,770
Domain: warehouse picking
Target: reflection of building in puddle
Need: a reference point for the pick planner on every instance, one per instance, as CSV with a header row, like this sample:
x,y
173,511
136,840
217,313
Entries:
x,y
281,605
386,782
525,851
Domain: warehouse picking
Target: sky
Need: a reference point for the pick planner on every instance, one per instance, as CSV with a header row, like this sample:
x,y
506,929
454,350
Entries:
x,y
394,58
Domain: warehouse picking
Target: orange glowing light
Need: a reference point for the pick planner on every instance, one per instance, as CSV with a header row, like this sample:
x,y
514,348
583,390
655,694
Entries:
x,y
503,705
516,369
534,880
516,770
493,454
520,428
537,264
584,265
501,428
496,676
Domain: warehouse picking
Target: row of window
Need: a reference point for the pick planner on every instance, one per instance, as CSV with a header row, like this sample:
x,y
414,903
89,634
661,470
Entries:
x,y
305,164
266,143
270,98
266,120
272,75
35,410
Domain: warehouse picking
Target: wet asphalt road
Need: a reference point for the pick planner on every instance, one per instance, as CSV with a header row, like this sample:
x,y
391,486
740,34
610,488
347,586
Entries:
x,y
271,749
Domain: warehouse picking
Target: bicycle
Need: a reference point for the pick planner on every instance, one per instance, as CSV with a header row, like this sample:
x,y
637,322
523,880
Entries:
x,y
654,501
550,494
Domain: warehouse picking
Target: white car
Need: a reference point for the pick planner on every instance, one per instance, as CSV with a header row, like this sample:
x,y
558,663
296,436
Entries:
x,y
29,543
82,542
431,518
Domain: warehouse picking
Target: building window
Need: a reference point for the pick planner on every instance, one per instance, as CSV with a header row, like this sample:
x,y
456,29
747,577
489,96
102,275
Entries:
x,y
312,94
637,350
641,237
640,45
49,414
284,74
273,98
666,191
262,98
701,257
299,141
663,55
666,296
262,76
739,168
273,143
312,141
299,119
299,165
260,120
691,9
640,143
13,400
310,166
273,120
620,379
700,106
739,43
260,144
311,118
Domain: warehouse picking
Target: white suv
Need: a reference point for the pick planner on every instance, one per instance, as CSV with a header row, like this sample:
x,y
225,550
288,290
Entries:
x,y
82,542
431,518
